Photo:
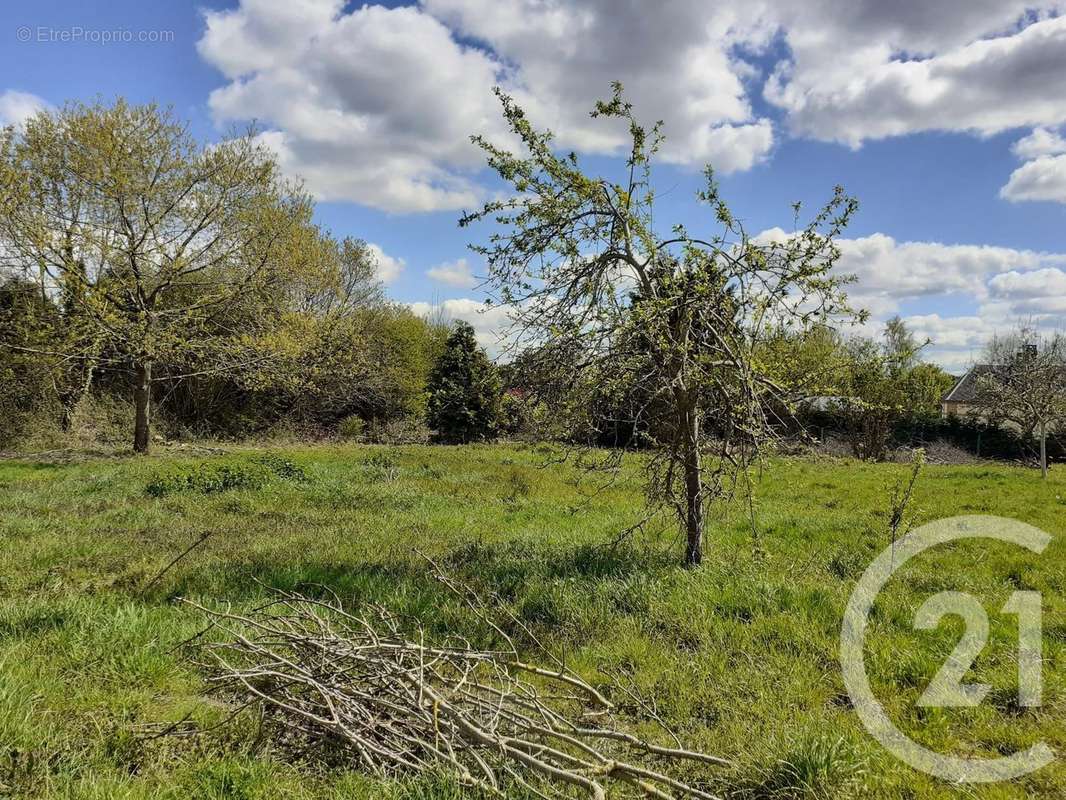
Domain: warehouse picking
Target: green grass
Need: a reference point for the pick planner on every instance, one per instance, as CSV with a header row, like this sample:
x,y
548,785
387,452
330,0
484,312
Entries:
x,y
739,656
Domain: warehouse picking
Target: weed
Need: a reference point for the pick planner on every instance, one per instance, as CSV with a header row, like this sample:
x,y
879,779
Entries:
x,y
208,479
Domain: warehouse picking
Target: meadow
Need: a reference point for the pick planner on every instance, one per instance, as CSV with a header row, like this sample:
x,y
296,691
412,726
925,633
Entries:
x,y
739,657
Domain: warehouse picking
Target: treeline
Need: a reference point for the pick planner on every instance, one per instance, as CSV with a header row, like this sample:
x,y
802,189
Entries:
x,y
153,286
874,393
148,278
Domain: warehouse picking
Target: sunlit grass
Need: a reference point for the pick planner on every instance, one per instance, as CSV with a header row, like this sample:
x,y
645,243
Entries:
x,y
739,657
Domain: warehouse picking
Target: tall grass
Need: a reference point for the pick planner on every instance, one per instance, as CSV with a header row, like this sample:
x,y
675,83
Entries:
x,y
738,657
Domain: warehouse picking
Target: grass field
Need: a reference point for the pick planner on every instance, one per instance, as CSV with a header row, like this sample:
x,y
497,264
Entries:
x,y
739,656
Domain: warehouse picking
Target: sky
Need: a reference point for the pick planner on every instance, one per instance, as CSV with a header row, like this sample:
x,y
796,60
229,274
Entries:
x,y
947,120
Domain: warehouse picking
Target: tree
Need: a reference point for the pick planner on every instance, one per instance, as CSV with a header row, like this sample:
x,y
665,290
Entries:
x,y
580,262
151,238
884,385
464,390
1025,384
27,382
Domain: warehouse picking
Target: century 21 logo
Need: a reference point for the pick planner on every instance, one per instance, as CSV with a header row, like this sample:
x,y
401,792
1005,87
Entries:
x,y
947,688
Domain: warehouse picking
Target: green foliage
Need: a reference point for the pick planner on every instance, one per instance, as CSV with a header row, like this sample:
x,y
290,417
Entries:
x,y
590,274
153,243
29,374
282,467
219,294
817,767
209,478
464,390
352,427
884,386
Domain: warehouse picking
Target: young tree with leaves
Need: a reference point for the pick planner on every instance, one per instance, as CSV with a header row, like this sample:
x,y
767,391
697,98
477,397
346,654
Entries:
x,y
464,390
875,392
1025,385
153,239
584,267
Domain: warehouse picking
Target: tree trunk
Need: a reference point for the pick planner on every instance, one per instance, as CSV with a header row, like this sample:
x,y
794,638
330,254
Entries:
x,y
142,400
693,487
1043,449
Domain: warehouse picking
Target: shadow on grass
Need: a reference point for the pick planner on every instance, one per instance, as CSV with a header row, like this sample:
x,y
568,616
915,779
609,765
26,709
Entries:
x,y
543,586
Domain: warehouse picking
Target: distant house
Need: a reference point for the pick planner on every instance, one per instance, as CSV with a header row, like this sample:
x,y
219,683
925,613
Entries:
x,y
962,399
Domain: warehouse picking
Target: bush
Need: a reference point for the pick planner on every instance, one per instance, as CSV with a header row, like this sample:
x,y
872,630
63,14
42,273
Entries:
x,y
352,427
382,466
283,468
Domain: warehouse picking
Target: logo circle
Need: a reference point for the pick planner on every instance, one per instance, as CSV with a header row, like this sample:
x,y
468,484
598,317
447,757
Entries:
x,y
23,33
853,635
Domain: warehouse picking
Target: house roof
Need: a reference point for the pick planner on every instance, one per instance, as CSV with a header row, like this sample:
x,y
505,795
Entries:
x,y
965,391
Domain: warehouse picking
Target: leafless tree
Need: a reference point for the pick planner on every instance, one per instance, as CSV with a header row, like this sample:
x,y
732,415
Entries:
x,y
1025,384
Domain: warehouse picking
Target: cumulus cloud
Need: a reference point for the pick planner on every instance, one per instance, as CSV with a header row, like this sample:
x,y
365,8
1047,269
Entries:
x,y
678,64
869,69
1007,286
388,267
1040,292
889,272
956,342
1043,176
456,273
376,104
16,107
491,324
1041,142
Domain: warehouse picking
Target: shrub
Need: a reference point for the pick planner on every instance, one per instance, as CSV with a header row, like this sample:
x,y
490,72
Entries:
x,y
352,427
207,479
382,466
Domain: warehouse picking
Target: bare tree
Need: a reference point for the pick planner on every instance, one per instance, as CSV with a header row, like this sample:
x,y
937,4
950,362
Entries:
x,y
587,270
1025,384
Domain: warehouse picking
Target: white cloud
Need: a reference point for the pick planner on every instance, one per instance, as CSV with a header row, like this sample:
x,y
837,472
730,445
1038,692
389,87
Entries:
x,y
1006,286
959,342
1040,292
454,273
889,272
388,267
17,107
956,342
870,69
1043,178
1041,142
676,62
376,104
491,323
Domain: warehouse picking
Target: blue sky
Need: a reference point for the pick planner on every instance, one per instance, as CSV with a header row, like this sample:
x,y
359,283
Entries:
x,y
924,115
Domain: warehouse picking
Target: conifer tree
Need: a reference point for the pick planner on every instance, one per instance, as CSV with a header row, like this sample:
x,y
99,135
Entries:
x,y
464,390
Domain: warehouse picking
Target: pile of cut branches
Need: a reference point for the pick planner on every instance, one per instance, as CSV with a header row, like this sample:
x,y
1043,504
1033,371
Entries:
x,y
394,704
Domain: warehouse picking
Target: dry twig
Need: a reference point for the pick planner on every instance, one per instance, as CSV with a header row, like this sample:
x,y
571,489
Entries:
x,y
396,704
